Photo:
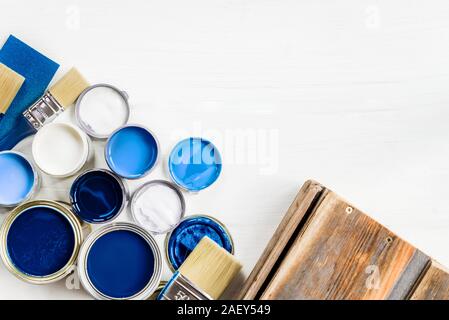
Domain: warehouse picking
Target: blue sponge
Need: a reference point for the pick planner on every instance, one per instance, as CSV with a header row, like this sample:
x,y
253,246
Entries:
x,y
38,71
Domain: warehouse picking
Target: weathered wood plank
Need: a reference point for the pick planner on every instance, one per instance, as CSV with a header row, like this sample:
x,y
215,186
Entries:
x,y
434,285
344,254
298,211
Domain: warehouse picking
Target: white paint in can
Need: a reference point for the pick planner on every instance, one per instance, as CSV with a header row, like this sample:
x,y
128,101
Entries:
x,y
60,149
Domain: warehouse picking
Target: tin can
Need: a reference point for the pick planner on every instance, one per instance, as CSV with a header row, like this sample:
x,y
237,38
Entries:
x,y
181,241
112,252
156,199
159,289
17,174
132,151
98,196
113,113
40,241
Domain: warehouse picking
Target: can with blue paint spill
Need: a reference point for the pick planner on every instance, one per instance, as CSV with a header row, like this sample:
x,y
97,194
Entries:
x,y
120,261
194,164
183,239
40,241
132,151
19,180
98,196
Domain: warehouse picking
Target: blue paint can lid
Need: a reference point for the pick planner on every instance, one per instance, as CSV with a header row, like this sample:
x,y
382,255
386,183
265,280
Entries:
x,y
184,238
194,164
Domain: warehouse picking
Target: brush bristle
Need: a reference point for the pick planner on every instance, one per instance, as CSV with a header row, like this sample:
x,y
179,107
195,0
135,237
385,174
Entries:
x,y
68,89
210,267
10,83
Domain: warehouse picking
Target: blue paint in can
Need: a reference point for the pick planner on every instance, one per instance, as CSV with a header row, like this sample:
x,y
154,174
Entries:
x,y
194,164
120,264
97,196
17,178
189,233
40,241
131,152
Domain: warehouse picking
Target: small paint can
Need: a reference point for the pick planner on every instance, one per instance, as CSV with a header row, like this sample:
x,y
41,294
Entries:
x,y
132,151
101,109
40,241
180,242
194,164
98,196
19,180
120,261
61,149
158,206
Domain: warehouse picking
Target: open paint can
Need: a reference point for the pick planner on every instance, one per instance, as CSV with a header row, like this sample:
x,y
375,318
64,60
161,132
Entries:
x,y
183,239
19,180
40,241
61,149
98,196
101,109
194,164
132,151
158,206
120,261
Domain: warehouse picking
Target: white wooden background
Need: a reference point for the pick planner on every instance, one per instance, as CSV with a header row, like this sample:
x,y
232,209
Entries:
x,y
354,94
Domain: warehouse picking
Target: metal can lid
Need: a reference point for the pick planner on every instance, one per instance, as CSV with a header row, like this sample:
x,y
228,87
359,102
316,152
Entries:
x,y
120,261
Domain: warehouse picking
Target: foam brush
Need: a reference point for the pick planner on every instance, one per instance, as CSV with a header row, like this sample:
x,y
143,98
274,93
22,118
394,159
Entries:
x,y
57,99
10,83
204,275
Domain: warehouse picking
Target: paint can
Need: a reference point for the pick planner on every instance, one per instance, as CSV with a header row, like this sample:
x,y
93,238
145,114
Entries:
x,y
61,149
98,196
40,241
120,261
19,180
194,164
158,206
132,151
181,241
158,290
101,109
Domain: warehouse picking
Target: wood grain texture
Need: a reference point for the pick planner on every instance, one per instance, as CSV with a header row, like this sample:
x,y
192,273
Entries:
x,y
434,285
297,212
344,254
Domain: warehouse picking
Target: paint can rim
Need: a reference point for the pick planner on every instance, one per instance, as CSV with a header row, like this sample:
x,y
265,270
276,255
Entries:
x,y
151,286
168,236
158,151
142,189
86,128
77,231
36,178
123,186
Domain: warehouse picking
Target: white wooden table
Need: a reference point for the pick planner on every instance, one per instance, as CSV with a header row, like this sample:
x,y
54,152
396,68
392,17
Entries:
x,y
354,94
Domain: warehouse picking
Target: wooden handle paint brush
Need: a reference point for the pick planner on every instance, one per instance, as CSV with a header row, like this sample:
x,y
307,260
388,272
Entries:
x,y
58,98
10,83
204,275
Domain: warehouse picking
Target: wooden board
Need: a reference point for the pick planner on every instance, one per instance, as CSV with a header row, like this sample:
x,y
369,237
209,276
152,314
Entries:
x,y
434,285
333,251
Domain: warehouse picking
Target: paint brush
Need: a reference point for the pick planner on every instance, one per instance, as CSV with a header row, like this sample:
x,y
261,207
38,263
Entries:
x,y
58,98
10,83
204,275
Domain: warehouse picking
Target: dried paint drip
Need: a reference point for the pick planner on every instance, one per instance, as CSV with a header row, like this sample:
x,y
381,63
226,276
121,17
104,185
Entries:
x,y
158,206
